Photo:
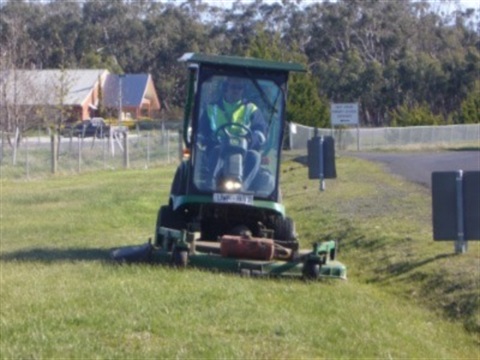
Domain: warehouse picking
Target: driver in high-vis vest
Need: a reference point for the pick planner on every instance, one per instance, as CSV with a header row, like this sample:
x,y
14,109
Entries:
x,y
234,109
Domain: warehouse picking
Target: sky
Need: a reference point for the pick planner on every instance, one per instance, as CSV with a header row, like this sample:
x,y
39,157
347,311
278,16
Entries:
x,y
451,4
447,5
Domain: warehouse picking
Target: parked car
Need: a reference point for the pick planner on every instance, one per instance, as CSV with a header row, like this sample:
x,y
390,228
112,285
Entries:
x,y
88,128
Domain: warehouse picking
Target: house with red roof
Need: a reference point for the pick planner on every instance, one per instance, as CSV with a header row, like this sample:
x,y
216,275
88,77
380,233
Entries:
x,y
81,92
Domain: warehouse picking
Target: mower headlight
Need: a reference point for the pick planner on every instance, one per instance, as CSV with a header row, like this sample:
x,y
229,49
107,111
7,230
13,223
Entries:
x,y
232,185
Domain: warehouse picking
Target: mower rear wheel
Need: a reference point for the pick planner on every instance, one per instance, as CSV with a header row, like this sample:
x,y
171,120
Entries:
x,y
285,234
168,218
285,229
180,258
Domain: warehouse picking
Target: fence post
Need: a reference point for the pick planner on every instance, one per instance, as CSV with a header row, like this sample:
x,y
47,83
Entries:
x,y
111,138
126,160
162,137
358,137
168,147
2,148
104,152
290,135
27,170
180,145
79,144
54,149
460,243
148,149
15,146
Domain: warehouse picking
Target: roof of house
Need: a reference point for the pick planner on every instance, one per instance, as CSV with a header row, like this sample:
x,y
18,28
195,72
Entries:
x,y
44,87
34,87
134,89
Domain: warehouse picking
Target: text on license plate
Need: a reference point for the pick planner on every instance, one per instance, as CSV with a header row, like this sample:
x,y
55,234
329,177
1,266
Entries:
x,y
223,198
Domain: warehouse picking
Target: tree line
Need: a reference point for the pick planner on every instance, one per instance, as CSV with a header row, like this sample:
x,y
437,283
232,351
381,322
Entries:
x,y
404,62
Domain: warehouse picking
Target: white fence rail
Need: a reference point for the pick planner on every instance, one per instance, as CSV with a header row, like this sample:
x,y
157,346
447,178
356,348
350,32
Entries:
x,y
384,138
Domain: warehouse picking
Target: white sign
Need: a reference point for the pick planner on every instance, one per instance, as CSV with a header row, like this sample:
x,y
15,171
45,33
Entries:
x,y
344,114
293,128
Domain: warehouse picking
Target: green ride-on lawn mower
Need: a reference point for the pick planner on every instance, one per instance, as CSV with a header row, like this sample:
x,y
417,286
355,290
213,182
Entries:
x,y
224,211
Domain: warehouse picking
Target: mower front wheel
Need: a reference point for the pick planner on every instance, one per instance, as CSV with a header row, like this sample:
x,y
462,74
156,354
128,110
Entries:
x,y
311,270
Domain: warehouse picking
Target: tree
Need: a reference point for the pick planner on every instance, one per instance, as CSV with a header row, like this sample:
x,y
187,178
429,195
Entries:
x,y
382,54
16,52
304,104
470,109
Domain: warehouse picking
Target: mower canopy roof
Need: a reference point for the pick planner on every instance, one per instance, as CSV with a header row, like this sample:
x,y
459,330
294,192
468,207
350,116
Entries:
x,y
241,62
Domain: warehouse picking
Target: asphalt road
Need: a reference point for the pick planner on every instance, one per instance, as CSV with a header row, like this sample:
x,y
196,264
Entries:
x,y
418,166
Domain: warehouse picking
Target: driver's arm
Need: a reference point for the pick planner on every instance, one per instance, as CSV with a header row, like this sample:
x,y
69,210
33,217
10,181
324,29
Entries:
x,y
258,128
204,133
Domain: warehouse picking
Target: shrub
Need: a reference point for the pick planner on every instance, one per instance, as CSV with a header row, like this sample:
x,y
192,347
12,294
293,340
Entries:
x,y
418,114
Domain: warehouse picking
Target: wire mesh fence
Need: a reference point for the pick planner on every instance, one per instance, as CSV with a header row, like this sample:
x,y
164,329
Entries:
x,y
35,155
385,138
145,149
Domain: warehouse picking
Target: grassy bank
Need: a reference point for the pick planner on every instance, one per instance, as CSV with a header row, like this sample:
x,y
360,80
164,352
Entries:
x,y
383,224
61,298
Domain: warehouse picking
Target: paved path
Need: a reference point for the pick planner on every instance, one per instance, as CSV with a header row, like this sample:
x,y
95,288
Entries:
x,y
418,166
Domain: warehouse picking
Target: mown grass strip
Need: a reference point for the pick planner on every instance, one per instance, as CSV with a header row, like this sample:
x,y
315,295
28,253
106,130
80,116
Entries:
x,y
62,298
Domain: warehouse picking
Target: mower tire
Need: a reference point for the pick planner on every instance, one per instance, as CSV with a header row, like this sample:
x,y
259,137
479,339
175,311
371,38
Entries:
x,y
285,229
169,219
180,258
311,270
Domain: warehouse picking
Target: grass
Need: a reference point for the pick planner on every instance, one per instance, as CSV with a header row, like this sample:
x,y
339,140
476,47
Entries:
x,y
60,297
383,224
85,310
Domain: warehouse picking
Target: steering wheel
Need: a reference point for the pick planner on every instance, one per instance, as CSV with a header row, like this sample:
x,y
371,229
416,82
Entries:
x,y
234,130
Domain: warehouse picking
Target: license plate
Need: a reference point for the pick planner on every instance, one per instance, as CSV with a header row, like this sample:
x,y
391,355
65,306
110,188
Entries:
x,y
223,198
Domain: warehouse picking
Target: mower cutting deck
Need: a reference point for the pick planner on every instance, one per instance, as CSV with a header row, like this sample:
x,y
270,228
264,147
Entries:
x,y
237,254
224,210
